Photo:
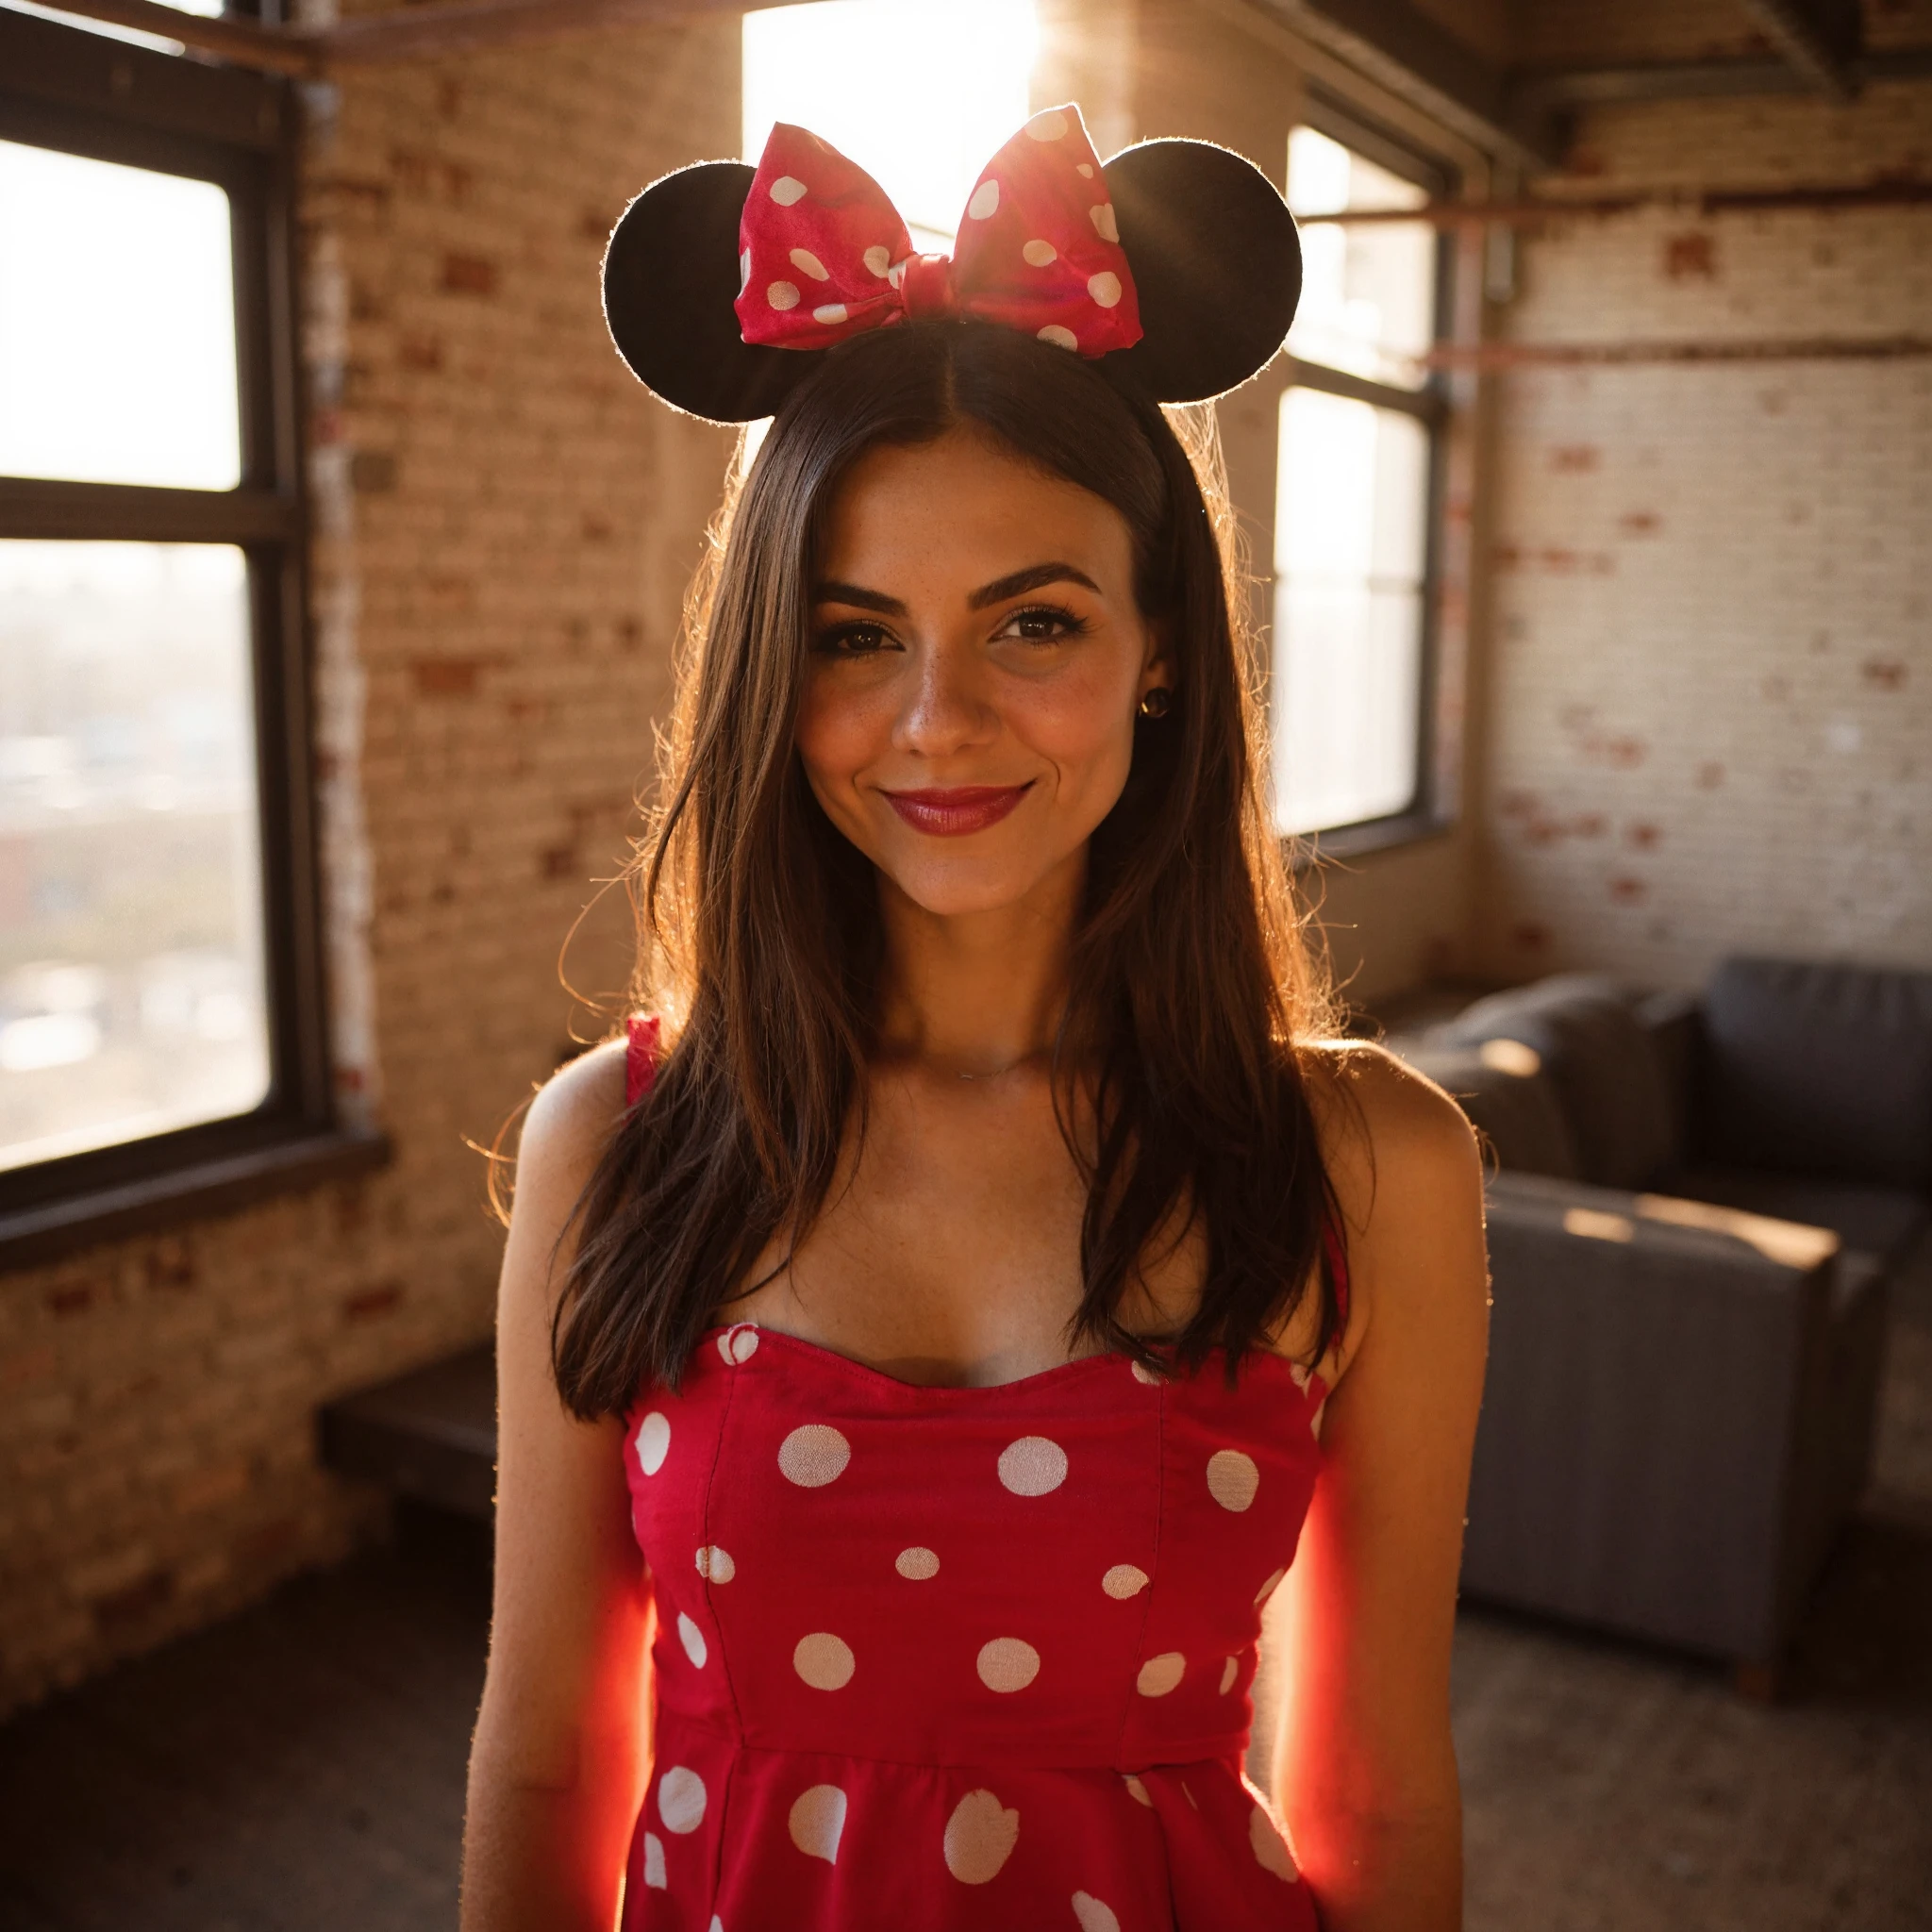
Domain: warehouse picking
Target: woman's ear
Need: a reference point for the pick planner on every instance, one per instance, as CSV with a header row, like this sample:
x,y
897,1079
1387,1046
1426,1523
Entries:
x,y
1157,672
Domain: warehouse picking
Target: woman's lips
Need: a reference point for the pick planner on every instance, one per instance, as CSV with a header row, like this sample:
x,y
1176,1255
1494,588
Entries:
x,y
957,810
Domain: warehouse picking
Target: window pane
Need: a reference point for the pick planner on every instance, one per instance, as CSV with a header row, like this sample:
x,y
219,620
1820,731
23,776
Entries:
x,y
1368,294
921,94
1350,525
117,324
131,993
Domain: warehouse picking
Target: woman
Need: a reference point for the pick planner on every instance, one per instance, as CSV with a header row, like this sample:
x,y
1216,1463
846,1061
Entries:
x,y
981,1279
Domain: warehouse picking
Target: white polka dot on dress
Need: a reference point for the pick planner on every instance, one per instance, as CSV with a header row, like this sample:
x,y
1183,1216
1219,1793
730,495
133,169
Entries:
x,y
1048,124
817,1822
715,1564
1229,1671
681,1799
1159,1674
1232,1480
806,263
879,260
692,1639
1123,1580
813,1455
917,1565
1094,1916
654,1863
824,1662
1101,215
1061,338
1143,1373
652,1443
787,189
1268,1589
1084,169
738,1343
980,1836
1039,254
1007,1663
1138,1790
782,296
1104,288
831,312
985,202
1033,1466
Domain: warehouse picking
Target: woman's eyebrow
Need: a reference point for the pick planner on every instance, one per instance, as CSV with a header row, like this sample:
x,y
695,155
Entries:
x,y
858,597
1032,578
1015,584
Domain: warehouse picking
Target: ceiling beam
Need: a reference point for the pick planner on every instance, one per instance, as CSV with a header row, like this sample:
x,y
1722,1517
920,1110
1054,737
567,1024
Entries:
x,y
1818,40
246,42
1562,89
1400,48
1697,203
429,32
467,26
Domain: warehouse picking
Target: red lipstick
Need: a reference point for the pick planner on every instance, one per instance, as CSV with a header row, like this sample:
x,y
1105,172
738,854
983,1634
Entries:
x,y
957,810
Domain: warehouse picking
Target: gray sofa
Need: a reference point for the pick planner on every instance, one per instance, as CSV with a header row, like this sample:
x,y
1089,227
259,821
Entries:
x,y
1696,1202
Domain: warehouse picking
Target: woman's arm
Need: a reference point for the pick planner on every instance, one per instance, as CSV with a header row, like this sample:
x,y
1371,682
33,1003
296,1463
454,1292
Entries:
x,y
558,1765
1364,1767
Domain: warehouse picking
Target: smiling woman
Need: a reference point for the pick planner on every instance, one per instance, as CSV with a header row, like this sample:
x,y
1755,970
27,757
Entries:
x,y
976,1276
971,700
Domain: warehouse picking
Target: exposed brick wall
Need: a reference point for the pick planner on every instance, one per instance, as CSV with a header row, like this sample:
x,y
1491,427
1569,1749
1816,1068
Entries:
x,y
1711,702
505,524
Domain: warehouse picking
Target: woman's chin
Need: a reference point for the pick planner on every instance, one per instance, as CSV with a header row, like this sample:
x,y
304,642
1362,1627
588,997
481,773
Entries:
x,y
960,889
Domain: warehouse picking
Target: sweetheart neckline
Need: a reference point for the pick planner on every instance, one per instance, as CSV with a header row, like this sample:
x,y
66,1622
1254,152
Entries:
x,y
1307,1387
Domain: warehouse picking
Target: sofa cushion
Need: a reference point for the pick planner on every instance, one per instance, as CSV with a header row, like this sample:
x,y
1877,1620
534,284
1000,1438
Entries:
x,y
1879,1222
1820,1069
1516,1112
1602,1063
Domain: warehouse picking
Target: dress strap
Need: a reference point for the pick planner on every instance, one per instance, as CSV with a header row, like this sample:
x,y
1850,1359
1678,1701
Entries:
x,y
1337,1267
640,1059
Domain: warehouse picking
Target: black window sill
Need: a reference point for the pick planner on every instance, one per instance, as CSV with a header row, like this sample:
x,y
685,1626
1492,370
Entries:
x,y
219,1185
1372,835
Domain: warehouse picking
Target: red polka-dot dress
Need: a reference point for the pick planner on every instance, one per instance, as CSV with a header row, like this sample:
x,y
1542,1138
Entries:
x,y
944,1657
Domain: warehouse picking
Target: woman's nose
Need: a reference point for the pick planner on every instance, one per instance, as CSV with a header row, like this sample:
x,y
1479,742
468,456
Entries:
x,y
945,709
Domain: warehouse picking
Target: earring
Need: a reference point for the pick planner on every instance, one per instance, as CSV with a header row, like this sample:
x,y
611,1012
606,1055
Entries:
x,y
1157,701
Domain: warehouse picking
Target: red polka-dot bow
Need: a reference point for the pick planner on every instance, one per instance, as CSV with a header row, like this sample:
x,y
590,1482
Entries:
x,y
824,253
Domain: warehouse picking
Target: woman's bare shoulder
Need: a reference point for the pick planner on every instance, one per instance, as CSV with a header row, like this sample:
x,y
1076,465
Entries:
x,y
1407,1175
1385,1129
572,1118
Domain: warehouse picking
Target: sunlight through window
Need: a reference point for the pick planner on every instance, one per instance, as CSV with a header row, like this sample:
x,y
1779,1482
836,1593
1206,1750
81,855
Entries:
x,y
921,94
117,324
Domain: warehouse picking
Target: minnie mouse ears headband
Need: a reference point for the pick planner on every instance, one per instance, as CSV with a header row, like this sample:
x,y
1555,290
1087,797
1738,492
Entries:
x,y
1177,260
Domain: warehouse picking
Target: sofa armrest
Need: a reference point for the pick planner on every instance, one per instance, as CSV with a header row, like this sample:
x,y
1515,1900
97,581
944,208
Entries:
x,y
1648,1368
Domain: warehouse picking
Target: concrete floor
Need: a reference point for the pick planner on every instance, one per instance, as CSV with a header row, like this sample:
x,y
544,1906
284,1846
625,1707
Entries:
x,y
300,1769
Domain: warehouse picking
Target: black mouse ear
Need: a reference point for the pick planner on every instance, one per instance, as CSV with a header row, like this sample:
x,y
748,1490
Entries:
x,y
670,276
1217,266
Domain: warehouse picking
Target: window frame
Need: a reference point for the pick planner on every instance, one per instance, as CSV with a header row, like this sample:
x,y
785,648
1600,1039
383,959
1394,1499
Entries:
x,y
80,92
1429,813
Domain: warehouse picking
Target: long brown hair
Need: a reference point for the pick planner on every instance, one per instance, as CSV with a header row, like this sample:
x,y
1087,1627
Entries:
x,y
760,930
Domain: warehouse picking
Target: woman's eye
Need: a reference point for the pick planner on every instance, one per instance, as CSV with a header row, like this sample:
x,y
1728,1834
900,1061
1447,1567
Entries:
x,y
1042,624
855,641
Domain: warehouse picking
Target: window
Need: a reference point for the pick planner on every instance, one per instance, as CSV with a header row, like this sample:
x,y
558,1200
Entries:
x,y
161,1022
1357,458
921,94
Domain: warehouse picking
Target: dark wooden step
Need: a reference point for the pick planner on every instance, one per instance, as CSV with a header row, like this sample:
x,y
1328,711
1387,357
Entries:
x,y
430,1435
